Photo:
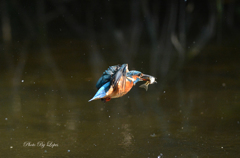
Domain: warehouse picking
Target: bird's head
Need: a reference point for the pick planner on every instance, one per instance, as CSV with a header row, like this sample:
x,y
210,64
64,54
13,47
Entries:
x,y
136,76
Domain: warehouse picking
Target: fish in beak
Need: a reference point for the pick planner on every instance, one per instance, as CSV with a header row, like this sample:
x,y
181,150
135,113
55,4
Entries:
x,y
149,80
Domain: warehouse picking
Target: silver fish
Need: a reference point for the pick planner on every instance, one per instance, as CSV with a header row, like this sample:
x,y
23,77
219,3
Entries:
x,y
149,79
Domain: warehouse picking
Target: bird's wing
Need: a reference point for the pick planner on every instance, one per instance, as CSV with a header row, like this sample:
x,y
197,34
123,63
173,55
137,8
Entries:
x,y
119,76
107,75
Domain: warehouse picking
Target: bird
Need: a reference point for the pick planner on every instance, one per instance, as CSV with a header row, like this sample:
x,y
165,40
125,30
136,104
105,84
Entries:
x,y
117,81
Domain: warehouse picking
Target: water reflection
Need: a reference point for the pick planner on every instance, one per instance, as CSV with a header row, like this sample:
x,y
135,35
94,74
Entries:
x,y
194,114
127,136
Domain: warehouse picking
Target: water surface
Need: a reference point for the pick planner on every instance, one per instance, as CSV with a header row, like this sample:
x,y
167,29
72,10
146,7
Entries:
x,y
45,111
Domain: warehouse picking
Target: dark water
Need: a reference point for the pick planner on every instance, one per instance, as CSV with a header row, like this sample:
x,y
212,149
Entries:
x,y
45,111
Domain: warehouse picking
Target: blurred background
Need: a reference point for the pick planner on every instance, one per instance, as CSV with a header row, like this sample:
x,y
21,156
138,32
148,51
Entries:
x,y
54,51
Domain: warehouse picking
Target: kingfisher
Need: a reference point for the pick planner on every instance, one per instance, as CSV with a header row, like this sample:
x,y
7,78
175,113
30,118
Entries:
x,y
117,81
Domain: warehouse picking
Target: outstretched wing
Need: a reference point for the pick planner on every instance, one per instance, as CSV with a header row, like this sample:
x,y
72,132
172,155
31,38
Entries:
x,y
107,75
120,76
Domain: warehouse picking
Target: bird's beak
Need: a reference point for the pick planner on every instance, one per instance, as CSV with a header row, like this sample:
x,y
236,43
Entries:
x,y
150,78
145,77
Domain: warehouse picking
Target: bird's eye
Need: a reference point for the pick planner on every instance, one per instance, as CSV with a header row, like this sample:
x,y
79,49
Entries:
x,y
139,74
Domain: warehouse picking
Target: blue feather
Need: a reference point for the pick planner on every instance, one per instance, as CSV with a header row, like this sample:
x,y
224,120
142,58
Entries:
x,y
101,92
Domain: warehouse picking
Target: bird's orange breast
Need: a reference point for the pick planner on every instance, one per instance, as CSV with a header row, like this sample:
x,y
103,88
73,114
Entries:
x,y
120,89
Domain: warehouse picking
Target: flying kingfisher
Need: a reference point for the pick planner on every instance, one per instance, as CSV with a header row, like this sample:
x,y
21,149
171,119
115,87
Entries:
x,y
117,81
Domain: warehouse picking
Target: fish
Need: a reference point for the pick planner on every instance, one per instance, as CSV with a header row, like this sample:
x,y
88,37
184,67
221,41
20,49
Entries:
x,y
150,80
